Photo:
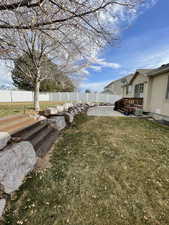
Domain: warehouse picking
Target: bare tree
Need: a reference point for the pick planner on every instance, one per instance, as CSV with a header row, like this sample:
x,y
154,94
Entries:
x,y
55,12
40,49
91,17
68,32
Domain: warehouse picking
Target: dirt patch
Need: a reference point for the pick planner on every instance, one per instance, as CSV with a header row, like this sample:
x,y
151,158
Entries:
x,y
14,108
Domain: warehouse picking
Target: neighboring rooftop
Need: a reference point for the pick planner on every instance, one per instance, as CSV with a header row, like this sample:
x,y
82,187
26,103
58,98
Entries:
x,y
143,71
128,78
107,92
147,72
139,71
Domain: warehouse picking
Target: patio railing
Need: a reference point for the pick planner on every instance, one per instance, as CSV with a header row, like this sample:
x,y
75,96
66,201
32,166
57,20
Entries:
x,y
129,105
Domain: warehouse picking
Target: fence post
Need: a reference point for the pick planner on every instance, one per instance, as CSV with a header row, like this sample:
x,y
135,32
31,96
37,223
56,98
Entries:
x,y
32,96
59,97
11,96
77,96
67,96
107,98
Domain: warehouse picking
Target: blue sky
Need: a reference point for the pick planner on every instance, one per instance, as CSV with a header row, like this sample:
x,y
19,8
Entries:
x,y
143,44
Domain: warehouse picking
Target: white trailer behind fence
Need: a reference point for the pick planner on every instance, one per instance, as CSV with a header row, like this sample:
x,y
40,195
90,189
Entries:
x,y
27,96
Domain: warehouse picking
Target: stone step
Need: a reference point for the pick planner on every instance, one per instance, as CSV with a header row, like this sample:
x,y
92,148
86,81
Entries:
x,y
13,122
8,119
11,129
46,144
40,136
28,132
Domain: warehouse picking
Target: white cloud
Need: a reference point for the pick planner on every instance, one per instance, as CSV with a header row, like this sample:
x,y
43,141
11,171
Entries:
x,y
83,71
96,68
103,63
118,15
145,60
150,3
154,58
94,86
109,64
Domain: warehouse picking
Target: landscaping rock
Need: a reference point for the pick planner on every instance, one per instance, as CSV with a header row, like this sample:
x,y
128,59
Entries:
x,y
4,138
75,111
58,122
60,108
51,111
16,161
2,206
41,118
66,106
71,111
38,117
69,116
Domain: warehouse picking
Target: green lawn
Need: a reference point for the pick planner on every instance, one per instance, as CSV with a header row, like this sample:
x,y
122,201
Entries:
x,y
7,109
105,171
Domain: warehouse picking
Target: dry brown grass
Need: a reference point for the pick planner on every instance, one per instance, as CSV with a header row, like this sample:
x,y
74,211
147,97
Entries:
x,y
105,171
7,109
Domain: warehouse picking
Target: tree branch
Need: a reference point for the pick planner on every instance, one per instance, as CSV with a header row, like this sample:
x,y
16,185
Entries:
x,y
19,4
50,22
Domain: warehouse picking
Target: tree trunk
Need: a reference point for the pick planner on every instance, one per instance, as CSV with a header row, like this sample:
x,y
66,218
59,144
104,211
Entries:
x,y
36,96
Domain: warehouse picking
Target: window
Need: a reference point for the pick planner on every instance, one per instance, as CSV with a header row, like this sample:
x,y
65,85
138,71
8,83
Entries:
x,y
167,92
128,89
139,90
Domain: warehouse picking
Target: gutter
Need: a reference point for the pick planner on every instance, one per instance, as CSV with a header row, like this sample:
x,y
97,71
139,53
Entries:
x,y
155,73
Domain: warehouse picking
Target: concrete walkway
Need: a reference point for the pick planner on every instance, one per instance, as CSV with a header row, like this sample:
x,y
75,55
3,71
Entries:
x,y
103,111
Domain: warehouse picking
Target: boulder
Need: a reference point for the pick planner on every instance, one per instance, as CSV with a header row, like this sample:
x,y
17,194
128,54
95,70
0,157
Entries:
x,y
69,117
71,111
2,206
60,108
66,106
51,111
38,117
75,111
58,122
41,118
4,138
16,161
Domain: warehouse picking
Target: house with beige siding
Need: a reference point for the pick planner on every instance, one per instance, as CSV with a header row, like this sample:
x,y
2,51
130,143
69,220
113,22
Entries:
x,y
136,87
117,87
153,86
132,85
150,84
156,99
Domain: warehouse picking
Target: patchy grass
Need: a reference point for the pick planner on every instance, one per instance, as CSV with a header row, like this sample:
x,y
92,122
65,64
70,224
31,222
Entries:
x,y
105,171
7,109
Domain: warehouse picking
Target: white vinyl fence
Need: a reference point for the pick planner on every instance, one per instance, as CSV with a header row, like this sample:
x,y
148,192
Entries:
x,y
27,96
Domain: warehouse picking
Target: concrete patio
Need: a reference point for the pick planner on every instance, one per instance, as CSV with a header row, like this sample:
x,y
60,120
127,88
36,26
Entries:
x,y
104,111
